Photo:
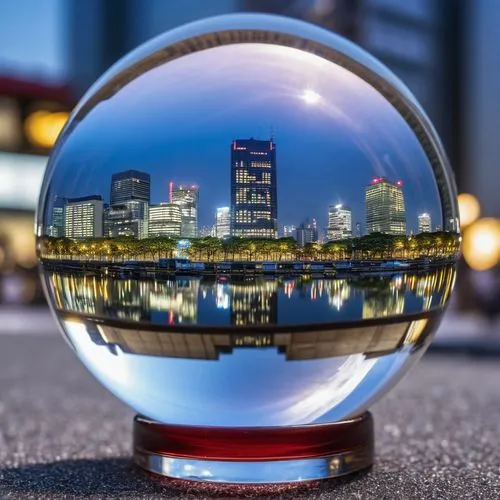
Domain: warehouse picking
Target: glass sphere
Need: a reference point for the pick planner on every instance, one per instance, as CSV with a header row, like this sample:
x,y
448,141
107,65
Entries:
x,y
248,221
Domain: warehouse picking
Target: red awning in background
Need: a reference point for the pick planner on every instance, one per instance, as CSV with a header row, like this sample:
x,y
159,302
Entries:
x,y
19,88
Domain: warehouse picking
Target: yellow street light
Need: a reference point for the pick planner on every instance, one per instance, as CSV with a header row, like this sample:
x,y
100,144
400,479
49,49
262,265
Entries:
x,y
43,127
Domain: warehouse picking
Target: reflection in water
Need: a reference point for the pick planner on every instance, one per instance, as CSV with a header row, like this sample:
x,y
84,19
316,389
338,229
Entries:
x,y
243,351
254,303
251,301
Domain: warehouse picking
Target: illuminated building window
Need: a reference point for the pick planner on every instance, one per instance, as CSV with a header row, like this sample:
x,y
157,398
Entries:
x,y
252,187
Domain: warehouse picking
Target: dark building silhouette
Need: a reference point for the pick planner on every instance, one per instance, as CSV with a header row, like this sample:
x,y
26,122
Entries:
x,y
130,185
254,201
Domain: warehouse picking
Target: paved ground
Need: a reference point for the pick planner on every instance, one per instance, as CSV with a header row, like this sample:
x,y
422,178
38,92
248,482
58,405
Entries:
x,y
63,436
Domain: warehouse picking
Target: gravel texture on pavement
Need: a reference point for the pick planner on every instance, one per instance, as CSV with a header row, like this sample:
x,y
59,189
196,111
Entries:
x,y
63,436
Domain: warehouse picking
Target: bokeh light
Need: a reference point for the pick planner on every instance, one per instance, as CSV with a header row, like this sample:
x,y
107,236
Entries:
x,y
481,244
469,209
43,127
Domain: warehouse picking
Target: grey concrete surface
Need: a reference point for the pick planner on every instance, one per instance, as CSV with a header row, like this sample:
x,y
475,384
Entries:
x,y
64,436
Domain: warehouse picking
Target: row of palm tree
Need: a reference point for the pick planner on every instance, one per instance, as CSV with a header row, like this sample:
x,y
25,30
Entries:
x,y
210,249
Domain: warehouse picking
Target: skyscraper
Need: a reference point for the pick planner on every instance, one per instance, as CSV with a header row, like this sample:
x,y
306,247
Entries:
x,y
117,221
130,185
307,232
56,228
130,196
254,201
289,231
83,217
424,223
339,222
165,219
223,222
186,198
385,207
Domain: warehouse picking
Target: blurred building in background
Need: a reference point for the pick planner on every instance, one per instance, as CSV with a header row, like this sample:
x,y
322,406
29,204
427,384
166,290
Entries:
x,y
31,116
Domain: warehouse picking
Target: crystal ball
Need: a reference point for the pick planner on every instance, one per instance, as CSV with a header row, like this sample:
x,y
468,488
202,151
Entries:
x,y
248,221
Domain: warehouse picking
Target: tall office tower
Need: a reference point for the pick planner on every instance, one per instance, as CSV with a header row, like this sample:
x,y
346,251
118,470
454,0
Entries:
x,y
130,185
118,221
254,201
139,215
357,234
223,222
187,200
83,217
339,222
131,189
289,231
307,232
385,207
165,219
56,228
424,223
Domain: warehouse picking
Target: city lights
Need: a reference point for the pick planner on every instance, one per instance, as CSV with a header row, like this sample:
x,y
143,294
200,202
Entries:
x,y
250,302
131,227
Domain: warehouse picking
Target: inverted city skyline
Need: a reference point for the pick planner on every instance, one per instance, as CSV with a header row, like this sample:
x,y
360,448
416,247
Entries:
x,y
253,301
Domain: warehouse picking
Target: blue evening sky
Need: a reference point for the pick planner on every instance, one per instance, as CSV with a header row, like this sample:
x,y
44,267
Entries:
x,y
177,122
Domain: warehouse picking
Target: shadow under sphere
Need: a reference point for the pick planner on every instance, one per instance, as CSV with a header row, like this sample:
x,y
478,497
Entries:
x,y
248,222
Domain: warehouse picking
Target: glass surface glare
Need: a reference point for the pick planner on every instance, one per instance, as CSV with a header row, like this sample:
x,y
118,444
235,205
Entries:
x,y
248,222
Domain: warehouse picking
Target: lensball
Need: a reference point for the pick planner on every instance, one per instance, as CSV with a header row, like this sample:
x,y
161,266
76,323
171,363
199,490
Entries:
x,y
248,222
